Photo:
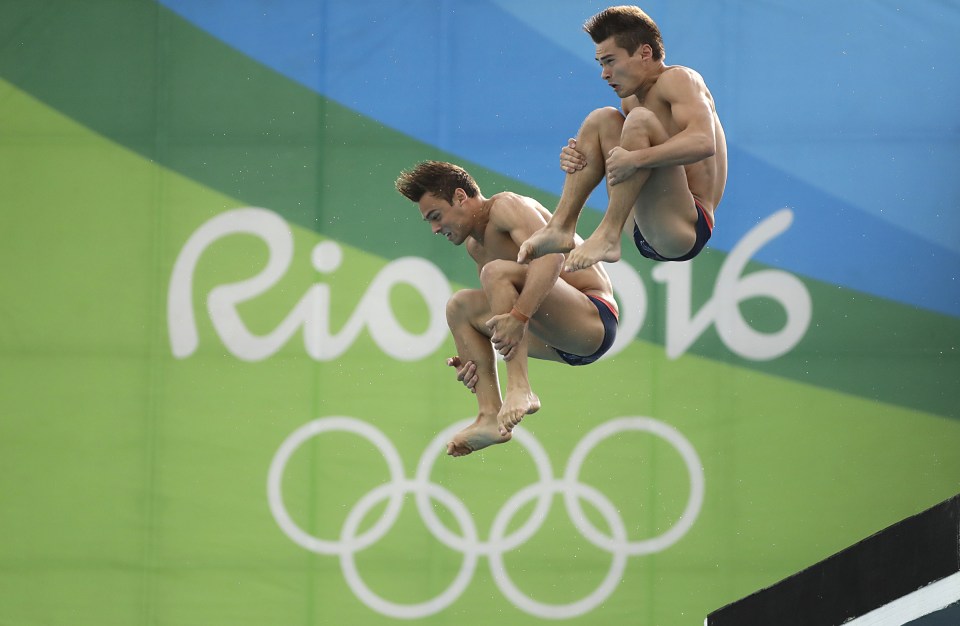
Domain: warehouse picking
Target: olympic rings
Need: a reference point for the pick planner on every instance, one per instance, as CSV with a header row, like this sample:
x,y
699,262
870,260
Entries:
x,y
468,542
408,611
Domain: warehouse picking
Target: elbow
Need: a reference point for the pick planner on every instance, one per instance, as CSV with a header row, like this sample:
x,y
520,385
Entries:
x,y
708,148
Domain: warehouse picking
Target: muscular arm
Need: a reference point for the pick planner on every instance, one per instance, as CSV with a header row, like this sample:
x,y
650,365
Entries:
x,y
542,273
515,218
684,93
521,220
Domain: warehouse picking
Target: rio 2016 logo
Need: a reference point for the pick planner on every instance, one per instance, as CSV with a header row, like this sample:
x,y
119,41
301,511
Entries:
x,y
311,315
498,542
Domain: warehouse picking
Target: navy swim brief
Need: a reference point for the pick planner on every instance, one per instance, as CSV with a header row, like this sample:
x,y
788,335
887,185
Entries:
x,y
609,319
704,230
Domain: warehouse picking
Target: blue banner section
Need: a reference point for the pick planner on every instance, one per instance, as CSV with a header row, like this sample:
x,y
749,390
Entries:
x,y
845,113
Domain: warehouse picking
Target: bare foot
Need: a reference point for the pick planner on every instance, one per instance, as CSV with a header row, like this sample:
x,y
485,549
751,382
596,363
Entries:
x,y
515,406
545,241
476,436
596,248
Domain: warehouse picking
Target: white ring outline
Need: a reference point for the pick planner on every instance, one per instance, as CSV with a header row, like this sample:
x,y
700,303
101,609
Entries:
x,y
584,605
429,607
690,459
495,547
519,536
279,464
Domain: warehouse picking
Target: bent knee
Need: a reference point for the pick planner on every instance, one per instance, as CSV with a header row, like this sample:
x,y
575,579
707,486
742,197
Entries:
x,y
644,126
604,117
642,115
464,303
498,270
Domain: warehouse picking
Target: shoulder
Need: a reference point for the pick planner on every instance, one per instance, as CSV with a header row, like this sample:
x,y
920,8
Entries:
x,y
681,73
507,204
677,80
507,200
509,210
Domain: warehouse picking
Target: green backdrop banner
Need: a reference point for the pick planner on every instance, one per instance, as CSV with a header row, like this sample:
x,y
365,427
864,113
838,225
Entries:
x,y
223,396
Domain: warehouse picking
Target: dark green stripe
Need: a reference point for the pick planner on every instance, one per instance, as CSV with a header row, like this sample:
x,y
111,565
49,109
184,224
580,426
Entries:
x,y
143,77
856,343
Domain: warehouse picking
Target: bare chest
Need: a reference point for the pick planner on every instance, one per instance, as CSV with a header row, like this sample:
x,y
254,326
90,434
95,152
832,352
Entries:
x,y
661,109
495,246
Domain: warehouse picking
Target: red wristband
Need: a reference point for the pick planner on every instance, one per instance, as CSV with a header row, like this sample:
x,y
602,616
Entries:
x,y
520,316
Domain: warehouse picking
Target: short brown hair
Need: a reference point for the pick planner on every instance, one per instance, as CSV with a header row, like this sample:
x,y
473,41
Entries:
x,y
630,28
439,178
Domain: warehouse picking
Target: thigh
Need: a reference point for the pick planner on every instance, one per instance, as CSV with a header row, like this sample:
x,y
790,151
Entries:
x,y
469,306
664,209
568,320
665,212
537,348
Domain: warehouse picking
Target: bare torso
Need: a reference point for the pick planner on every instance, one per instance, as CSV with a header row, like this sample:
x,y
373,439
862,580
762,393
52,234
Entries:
x,y
499,244
706,178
